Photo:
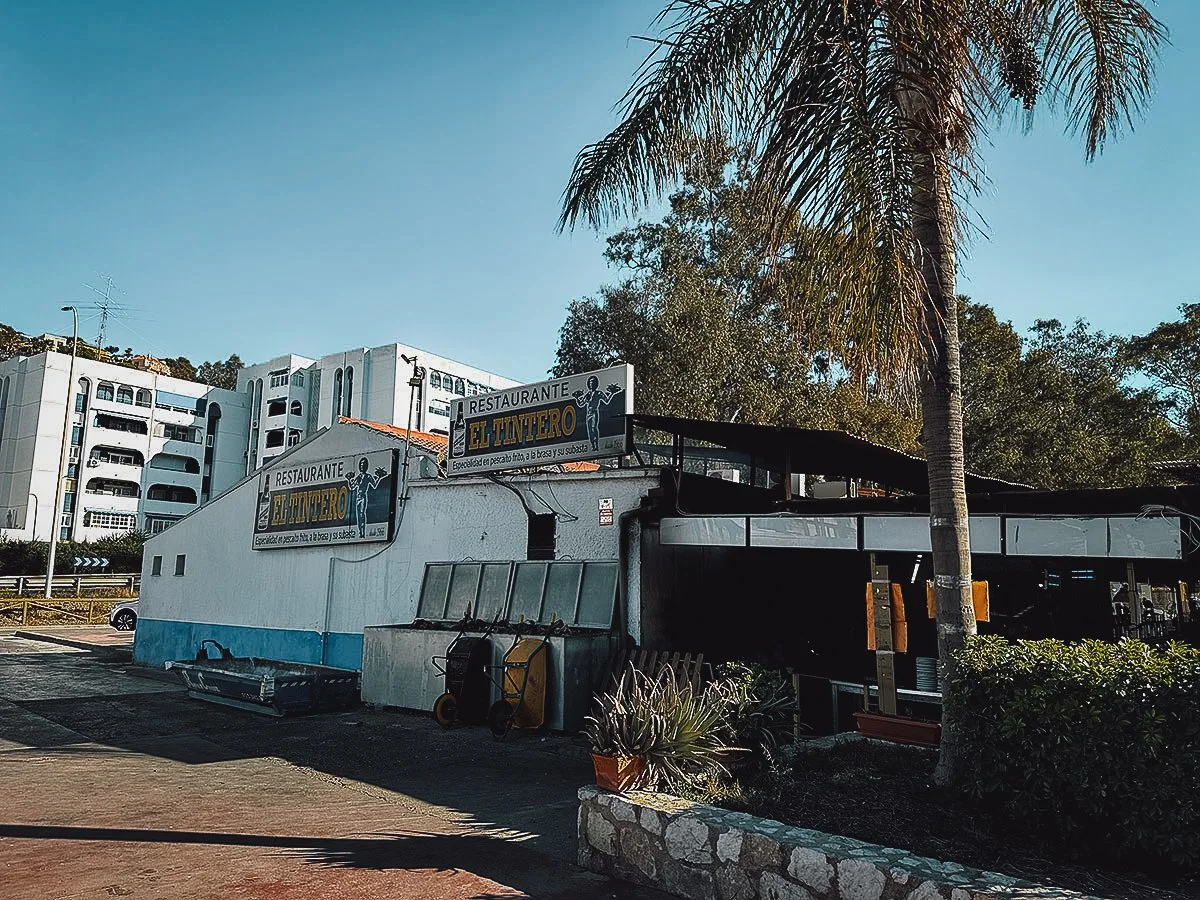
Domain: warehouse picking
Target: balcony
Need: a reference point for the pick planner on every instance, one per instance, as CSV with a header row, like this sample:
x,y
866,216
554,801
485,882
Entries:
x,y
120,424
176,447
173,478
171,494
119,408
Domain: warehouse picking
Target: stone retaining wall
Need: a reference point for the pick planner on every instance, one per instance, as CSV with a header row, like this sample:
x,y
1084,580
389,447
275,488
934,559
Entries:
x,y
706,853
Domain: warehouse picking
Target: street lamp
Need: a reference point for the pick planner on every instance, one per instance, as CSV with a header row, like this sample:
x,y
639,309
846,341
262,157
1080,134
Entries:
x,y
56,522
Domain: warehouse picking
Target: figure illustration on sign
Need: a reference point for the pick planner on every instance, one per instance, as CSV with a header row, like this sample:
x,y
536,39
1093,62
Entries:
x,y
264,505
591,401
361,484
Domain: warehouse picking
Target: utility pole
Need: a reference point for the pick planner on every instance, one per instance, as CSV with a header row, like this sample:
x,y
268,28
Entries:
x,y
56,522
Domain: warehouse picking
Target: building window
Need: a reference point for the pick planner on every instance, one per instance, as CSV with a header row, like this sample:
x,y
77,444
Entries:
x,y
159,524
110,520
274,438
180,562
174,432
349,388
298,378
439,407
459,388
80,403
297,408
104,391
435,379
76,435
279,378
293,437
73,470
124,394
276,407
337,394
156,566
143,398
68,501
542,531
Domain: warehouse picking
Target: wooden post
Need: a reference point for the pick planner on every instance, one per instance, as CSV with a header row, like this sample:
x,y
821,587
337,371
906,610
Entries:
x,y
796,709
1135,602
787,475
885,657
24,612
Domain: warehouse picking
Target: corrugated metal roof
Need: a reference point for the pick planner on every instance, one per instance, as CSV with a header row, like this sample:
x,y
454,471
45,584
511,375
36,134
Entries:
x,y
815,451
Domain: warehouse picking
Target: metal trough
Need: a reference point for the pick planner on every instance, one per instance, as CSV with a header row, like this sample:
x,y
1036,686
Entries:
x,y
270,686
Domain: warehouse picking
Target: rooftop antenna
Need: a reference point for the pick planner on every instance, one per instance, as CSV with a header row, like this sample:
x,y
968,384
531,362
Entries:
x,y
105,304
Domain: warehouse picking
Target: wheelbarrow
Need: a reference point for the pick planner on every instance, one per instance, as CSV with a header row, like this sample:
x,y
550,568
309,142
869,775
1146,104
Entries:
x,y
468,684
522,685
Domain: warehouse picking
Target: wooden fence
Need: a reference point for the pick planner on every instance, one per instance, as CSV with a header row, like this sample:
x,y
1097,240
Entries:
x,y
27,611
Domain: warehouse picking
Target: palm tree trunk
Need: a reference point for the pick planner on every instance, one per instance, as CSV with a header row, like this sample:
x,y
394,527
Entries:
x,y
941,406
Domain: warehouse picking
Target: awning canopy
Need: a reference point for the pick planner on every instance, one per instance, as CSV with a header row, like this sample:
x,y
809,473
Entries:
x,y
814,451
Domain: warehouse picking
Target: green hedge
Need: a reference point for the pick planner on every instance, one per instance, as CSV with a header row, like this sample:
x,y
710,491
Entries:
x,y
123,551
1093,744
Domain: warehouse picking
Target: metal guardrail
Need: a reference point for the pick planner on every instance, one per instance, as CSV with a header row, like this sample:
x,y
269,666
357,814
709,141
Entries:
x,y
73,585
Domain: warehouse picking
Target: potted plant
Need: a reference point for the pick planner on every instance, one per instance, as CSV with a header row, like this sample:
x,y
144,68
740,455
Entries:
x,y
619,733
899,729
657,732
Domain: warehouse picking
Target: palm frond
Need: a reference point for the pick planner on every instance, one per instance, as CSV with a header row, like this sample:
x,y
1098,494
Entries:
x,y
683,94
1100,58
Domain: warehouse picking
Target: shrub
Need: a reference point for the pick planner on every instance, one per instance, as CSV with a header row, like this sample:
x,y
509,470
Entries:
x,y
760,707
1095,743
124,552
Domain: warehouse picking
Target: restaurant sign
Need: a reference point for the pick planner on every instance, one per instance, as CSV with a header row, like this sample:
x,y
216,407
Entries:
x,y
561,420
344,500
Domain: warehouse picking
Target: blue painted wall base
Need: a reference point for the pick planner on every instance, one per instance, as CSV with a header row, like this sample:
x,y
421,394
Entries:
x,y
158,640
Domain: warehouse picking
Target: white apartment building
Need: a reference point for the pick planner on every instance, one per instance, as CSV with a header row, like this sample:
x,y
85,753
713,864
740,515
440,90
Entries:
x,y
292,396
145,449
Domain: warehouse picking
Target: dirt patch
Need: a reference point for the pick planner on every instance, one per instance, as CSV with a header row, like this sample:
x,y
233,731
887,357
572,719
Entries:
x,y
884,795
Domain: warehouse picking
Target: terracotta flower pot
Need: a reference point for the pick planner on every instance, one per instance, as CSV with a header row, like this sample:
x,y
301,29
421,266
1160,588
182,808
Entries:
x,y
899,729
617,773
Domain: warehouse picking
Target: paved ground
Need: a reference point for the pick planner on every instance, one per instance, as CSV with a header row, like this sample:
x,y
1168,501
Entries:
x,y
83,636
121,786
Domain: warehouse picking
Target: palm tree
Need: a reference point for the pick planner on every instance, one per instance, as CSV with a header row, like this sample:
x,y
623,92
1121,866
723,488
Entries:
x,y
866,118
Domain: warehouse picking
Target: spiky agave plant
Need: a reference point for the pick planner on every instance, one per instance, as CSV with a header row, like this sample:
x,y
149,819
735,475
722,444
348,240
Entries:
x,y
680,732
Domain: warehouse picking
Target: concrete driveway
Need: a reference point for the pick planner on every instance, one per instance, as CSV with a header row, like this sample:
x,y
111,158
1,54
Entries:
x,y
122,786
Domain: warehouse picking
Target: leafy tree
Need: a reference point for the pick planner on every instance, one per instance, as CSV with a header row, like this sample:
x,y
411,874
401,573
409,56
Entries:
x,y
221,374
181,367
1170,355
705,322
868,118
1057,409
13,343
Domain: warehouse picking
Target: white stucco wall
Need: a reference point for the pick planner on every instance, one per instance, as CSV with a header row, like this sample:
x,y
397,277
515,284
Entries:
x,y
228,583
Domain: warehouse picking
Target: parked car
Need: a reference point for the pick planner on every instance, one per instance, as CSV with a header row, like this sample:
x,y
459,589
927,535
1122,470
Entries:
x,y
124,616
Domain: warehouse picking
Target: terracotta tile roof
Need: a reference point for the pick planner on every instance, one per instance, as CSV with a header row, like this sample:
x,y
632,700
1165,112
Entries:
x,y
437,444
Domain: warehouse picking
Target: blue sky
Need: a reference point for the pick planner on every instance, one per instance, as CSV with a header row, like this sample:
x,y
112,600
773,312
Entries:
x,y
274,177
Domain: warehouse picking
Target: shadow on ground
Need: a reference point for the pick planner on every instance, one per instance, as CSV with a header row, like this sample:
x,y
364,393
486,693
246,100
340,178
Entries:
x,y
510,863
